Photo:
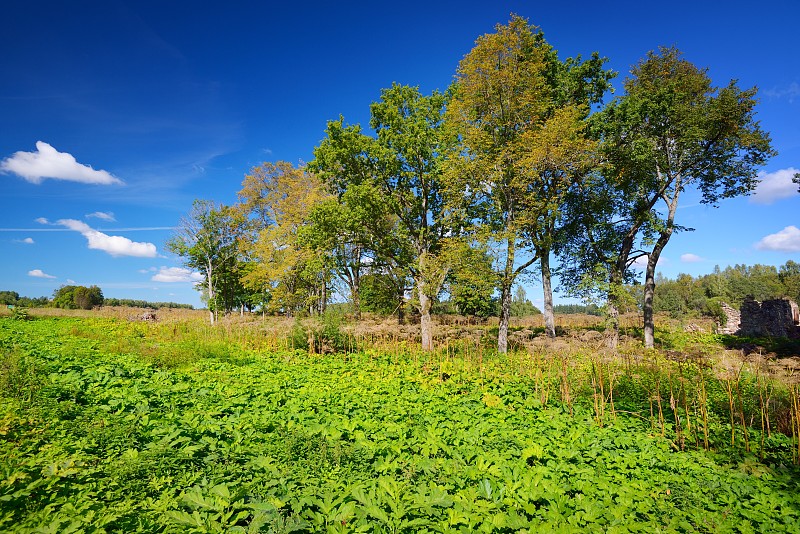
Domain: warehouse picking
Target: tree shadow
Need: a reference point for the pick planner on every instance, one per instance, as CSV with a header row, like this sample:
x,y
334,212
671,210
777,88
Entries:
x,y
780,346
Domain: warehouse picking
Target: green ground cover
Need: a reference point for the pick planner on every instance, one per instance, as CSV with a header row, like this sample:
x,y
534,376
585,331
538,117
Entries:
x,y
101,432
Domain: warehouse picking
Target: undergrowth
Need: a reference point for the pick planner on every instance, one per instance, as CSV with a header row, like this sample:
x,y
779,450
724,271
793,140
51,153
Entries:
x,y
133,427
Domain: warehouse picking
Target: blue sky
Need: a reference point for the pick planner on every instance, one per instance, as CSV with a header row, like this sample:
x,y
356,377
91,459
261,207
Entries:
x,y
142,106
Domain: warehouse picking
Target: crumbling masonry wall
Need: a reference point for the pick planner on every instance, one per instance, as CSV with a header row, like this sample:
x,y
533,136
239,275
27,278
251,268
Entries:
x,y
771,318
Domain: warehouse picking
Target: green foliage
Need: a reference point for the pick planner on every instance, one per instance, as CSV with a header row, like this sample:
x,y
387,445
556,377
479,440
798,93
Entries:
x,y
8,298
135,303
381,293
77,297
20,314
372,442
687,296
521,306
588,309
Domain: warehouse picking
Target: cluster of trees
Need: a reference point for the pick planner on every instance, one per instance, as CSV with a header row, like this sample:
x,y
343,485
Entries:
x,y
687,295
80,297
136,303
77,297
461,193
12,298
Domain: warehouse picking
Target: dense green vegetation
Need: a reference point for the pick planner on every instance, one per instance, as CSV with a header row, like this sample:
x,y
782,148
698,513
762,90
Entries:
x,y
522,167
65,297
134,427
687,295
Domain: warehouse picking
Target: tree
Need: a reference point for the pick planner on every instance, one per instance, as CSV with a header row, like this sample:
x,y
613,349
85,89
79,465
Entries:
x,y
63,297
672,130
72,297
472,281
789,275
277,198
342,227
681,131
521,306
87,297
206,240
796,179
402,165
519,113
8,297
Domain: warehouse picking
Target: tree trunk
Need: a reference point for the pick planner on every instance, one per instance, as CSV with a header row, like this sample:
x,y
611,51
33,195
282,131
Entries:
x,y
612,321
323,300
401,301
426,328
650,288
211,307
505,297
355,291
547,289
505,313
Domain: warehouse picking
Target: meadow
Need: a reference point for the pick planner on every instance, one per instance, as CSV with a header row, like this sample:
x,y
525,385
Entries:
x,y
268,425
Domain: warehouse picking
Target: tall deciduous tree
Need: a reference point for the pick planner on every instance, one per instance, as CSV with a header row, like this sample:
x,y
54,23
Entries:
x,y
519,113
672,130
347,229
278,198
402,164
207,241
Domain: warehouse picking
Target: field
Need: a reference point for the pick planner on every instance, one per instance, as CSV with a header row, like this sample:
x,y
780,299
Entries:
x,y
111,425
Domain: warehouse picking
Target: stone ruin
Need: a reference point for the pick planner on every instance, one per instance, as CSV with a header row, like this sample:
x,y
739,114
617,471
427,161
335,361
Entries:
x,y
771,318
733,319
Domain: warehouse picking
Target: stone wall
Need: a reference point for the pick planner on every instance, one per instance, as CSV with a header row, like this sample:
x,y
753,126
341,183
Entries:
x,y
733,317
771,318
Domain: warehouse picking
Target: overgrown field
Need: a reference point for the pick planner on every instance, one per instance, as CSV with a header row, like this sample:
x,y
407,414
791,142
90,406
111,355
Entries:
x,y
112,426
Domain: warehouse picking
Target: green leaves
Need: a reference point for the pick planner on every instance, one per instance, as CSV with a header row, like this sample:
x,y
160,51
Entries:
x,y
290,443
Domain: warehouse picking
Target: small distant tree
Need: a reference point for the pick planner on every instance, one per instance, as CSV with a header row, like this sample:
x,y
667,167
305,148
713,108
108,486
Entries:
x,y
207,241
521,306
86,298
8,297
77,297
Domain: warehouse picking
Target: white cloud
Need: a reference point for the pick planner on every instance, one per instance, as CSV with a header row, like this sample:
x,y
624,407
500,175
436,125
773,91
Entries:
x,y
775,186
38,273
691,258
113,244
105,215
27,241
47,162
42,220
71,281
641,262
790,91
176,274
787,240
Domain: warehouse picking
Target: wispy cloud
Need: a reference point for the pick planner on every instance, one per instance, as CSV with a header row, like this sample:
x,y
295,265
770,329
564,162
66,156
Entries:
x,y
47,162
26,241
176,274
114,245
38,273
775,186
691,258
789,92
787,240
105,215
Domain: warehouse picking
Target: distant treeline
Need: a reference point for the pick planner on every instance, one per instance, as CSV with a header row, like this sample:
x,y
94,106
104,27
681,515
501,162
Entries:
x,y
80,297
145,304
690,296
566,309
